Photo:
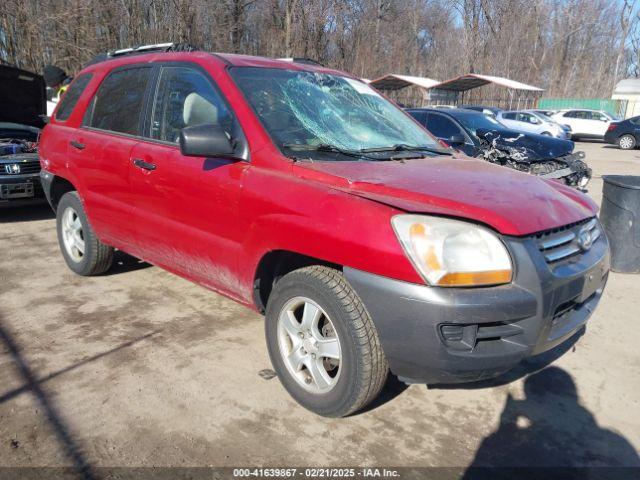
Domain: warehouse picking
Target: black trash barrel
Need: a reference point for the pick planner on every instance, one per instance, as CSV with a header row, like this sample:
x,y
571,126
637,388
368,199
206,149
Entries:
x,y
620,217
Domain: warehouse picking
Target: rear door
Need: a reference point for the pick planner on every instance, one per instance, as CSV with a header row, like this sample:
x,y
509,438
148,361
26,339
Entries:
x,y
102,148
571,118
583,122
186,208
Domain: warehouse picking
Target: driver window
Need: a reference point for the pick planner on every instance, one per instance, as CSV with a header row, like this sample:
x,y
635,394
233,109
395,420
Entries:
x,y
185,98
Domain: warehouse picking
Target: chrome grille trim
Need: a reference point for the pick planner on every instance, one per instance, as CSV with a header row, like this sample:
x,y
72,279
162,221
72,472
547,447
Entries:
x,y
564,242
566,237
561,253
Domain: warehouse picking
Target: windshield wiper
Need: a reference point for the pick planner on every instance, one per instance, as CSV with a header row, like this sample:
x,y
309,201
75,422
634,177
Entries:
x,y
403,147
324,147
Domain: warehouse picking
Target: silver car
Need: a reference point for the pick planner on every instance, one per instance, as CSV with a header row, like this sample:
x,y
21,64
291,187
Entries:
x,y
530,121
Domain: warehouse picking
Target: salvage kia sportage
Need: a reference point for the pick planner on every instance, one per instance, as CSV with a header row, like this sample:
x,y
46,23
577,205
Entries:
x,y
302,193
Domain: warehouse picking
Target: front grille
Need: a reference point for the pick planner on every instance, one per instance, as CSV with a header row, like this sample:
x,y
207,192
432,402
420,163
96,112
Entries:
x,y
26,168
565,242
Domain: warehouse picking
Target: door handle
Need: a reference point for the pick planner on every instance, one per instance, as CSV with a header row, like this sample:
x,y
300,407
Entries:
x,y
144,165
78,145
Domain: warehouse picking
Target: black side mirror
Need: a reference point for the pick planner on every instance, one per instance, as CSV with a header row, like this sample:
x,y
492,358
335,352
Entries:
x,y
206,141
457,139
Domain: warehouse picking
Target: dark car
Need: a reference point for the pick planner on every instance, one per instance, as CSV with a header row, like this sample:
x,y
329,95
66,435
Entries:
x,y
22,106
625,134
482,136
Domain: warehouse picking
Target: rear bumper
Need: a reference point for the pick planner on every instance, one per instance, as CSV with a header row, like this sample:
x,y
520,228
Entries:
x,y
609,137
453,335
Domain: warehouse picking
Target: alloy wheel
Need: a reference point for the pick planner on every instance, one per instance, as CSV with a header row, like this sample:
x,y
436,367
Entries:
x,y
72,234
626,142
309,345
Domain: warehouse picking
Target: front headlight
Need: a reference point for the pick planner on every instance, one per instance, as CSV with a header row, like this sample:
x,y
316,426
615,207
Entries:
x,y
453,253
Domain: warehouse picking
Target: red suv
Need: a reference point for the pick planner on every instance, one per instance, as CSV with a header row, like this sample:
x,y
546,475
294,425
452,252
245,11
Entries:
x,y
304,194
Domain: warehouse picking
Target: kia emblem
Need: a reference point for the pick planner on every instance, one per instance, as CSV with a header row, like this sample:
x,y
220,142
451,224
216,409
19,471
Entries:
x,y
585,240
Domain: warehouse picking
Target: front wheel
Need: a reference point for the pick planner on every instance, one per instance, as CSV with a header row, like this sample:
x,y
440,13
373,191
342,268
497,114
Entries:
x,y
84,253
627,142
322,342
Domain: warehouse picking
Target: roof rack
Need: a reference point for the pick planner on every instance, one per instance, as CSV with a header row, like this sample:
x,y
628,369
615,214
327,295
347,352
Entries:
x,y
140,49
157,47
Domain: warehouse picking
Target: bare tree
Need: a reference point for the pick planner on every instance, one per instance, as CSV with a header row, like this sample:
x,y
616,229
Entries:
x,y
575,48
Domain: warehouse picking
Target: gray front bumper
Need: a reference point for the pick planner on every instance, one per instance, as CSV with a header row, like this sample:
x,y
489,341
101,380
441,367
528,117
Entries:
x,y
498,326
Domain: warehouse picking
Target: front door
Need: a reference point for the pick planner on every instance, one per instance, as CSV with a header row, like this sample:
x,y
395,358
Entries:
x,y
599,124
186,208
445,129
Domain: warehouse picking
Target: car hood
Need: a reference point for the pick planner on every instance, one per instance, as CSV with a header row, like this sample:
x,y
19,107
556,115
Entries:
x,y
511,202
23,97
531,146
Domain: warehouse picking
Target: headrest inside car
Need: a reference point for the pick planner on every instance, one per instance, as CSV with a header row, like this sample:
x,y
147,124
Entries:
x,y
198,110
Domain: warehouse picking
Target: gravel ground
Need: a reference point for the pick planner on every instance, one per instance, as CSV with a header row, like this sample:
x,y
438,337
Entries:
x,y
142,368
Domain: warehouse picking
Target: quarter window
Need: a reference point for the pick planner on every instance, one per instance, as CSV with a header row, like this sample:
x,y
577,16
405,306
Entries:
x,y
118,105
71,97
184,98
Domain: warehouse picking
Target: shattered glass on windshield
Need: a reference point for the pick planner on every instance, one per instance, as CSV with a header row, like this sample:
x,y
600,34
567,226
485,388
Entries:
x,y
301,108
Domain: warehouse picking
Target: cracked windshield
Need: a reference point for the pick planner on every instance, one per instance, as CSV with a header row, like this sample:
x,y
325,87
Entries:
x,y
312,111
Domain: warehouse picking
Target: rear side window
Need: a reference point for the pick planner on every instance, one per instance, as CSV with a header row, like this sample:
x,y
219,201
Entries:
x,y
509,115
71,97
118,105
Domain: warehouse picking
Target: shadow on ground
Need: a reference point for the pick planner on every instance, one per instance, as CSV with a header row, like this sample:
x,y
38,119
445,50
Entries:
x,y
123,262
35,386
550,428
392,388
38,211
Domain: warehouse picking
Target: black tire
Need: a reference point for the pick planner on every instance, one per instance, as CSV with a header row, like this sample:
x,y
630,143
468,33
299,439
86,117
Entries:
x,y
627,142
363,367
546,134
97,257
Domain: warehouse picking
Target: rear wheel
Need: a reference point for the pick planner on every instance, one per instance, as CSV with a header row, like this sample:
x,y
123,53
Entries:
x,y
627,142
81,249
546,134
322,342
